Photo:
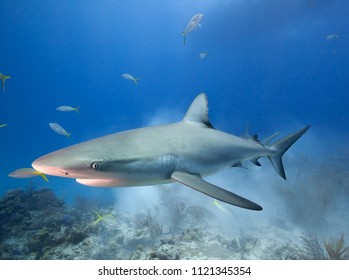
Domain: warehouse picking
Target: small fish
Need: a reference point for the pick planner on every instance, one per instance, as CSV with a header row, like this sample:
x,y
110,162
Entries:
x,y
203,55
332,36
3,78
193,24
60,130
130,78
68,109
219,206
2,125
27,173
108,218
222,208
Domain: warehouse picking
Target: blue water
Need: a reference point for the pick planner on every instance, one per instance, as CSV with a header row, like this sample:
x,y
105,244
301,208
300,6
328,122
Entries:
x,y
269,66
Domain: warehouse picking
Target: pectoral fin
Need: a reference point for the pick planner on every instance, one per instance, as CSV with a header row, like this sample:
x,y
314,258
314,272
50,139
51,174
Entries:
x,y
197,183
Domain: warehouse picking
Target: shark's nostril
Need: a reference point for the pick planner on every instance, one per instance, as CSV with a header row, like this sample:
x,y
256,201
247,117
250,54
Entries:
x,y
65,172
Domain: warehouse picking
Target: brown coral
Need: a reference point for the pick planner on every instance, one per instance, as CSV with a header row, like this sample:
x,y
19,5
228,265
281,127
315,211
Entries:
x,y
336,249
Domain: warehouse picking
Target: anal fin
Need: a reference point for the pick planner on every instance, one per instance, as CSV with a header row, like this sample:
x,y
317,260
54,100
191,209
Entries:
x,y
197,183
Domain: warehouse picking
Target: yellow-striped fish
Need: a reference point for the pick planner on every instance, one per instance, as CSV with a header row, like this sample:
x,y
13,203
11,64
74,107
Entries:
x,y
27,173
107,218
3,78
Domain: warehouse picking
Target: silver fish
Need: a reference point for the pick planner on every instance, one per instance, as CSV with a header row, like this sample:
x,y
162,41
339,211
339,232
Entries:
x,y
68,109
59,129
193,24
332,36
203,55
130,78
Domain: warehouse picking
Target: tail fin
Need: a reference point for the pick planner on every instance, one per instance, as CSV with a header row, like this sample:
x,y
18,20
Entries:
x,y
43,176
99,218
184,34
3,79
280,147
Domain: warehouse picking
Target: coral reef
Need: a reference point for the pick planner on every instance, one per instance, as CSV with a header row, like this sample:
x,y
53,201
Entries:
x,y
332,249
39,220
37,225
312,248
336,249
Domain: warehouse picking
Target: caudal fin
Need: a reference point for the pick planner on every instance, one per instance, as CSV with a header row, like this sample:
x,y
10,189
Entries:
x,y
3,79
280,147
184,35
43,176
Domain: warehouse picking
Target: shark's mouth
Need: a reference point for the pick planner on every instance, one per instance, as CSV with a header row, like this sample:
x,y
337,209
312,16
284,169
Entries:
x,y
109,182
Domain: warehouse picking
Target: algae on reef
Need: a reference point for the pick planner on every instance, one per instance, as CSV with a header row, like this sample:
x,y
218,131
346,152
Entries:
x,y
33,222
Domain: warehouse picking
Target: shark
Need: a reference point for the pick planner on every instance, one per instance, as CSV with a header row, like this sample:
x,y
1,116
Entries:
x,y
183,152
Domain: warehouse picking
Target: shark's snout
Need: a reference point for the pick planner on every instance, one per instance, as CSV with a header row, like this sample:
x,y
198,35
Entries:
x,y
45,166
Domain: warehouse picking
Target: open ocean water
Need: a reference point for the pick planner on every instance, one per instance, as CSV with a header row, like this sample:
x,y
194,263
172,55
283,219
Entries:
x,y
271,66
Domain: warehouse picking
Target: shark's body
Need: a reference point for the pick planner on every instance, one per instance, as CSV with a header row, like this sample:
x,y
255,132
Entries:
x,y
184,152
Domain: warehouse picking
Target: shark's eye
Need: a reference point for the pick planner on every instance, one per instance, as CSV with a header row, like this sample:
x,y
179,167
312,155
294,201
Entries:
x,y
95,165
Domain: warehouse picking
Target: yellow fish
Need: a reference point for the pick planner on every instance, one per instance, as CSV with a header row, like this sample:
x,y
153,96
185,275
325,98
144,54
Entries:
x,y
27,173
108,218
219,206
222,208
3,78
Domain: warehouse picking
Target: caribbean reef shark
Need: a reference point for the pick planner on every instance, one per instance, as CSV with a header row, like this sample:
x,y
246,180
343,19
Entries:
x,y
183,152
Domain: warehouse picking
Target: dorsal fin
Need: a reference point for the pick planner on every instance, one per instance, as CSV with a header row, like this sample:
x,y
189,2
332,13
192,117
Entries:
x,y
198,111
